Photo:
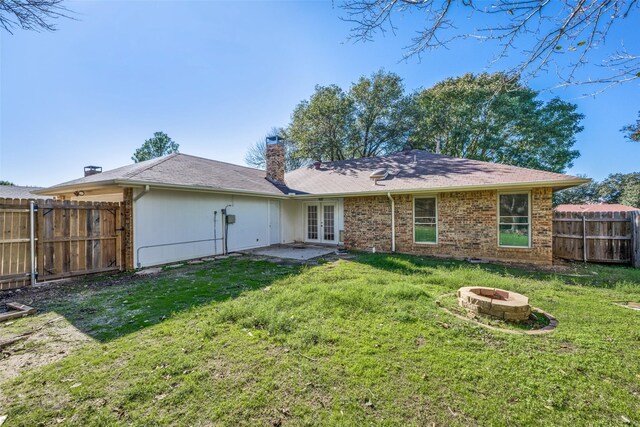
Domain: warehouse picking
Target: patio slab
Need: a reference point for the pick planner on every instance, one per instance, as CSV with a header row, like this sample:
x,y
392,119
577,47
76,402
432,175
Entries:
x,y
295,251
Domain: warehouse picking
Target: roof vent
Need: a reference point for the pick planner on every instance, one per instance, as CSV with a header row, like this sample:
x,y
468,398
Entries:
x,y
378,175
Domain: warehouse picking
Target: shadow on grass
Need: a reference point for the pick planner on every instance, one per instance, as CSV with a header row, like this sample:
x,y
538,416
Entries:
x,y
592,275
108,308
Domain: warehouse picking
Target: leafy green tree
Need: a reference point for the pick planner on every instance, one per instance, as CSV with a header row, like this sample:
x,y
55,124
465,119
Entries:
x,y
616,188
381,122
158,146
322,126
493,118
632,132
256,155
6,183
581,195
370,119
621,188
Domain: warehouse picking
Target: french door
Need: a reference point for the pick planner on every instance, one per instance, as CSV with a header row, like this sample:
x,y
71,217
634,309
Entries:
x,y
321,223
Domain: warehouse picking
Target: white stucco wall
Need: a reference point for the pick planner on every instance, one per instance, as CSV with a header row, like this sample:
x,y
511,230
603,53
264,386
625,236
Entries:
x,y
292,220
163,216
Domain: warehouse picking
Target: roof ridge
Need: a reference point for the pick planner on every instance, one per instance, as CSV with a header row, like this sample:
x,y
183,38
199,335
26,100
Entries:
x,y
152,164
224,163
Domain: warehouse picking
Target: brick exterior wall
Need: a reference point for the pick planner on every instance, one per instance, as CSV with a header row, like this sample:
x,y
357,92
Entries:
x,y
275,162
127,232
467,226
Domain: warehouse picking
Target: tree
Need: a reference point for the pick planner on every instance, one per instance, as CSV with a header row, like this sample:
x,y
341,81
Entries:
x,y
31,14
256,155
158,146
489,117
632,132
616,188
584,194
559,36
6,183
372,118
322,126
621,188
381,114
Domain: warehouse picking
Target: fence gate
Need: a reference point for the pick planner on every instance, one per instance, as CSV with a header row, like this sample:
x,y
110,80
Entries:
x,y
15,244
72,238
608,237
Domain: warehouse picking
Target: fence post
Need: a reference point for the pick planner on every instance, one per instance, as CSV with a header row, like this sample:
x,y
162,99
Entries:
x,y
584,238
635,239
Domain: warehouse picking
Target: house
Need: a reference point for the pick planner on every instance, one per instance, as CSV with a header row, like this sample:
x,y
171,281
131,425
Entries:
x,y
180,207
18,192
596,207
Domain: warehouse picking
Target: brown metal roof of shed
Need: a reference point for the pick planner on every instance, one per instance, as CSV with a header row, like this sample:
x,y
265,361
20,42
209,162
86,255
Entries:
x,y
600,207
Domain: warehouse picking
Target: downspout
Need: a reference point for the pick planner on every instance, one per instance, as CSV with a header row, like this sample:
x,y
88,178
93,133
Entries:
x,y
393,223
145,191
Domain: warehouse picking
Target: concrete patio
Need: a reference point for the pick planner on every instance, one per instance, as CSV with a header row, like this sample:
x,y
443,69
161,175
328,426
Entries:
x,y
297,251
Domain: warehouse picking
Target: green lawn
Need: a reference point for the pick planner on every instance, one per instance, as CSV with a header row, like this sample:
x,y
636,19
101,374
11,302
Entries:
x,y
358,342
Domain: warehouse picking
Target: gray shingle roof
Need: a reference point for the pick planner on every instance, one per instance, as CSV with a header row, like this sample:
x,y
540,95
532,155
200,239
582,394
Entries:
x,y
415,170
18,192
183,170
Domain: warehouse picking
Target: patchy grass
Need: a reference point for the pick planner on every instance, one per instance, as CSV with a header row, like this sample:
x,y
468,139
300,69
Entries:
x,y
244,342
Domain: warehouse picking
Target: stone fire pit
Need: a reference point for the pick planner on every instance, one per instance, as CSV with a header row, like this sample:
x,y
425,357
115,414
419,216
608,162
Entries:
x,y
505,305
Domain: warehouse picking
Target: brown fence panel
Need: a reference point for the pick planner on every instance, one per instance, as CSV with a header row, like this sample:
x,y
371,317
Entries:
x,y
635,232
78,238
71,239
594,236
15,250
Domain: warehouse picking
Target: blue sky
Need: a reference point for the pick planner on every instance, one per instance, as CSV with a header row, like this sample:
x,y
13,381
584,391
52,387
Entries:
x,y
216,76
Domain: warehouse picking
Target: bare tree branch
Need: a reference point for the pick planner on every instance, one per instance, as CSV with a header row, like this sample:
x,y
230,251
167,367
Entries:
x,y
568,35
33,15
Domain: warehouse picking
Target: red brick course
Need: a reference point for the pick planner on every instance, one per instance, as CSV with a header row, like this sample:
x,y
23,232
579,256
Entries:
x,y
467,226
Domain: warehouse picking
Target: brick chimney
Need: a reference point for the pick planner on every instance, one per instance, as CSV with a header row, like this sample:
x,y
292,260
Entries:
x,y
275,159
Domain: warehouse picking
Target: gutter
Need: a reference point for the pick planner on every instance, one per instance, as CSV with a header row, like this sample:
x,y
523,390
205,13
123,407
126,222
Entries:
x,y
434,190
53,191
199,189
126,183
139,196
393,223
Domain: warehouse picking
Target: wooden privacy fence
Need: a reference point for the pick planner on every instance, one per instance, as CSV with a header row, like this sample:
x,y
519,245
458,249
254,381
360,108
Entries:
x,y
70,239
608,237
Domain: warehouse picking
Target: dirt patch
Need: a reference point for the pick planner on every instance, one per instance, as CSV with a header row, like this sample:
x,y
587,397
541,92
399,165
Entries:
x,y
53,339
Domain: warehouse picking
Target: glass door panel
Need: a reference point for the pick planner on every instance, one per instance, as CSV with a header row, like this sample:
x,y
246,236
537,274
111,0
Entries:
x,y
312,222
329,223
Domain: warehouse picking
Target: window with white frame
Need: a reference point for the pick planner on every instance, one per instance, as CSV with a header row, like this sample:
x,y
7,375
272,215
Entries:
x,y
425,229
514,222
